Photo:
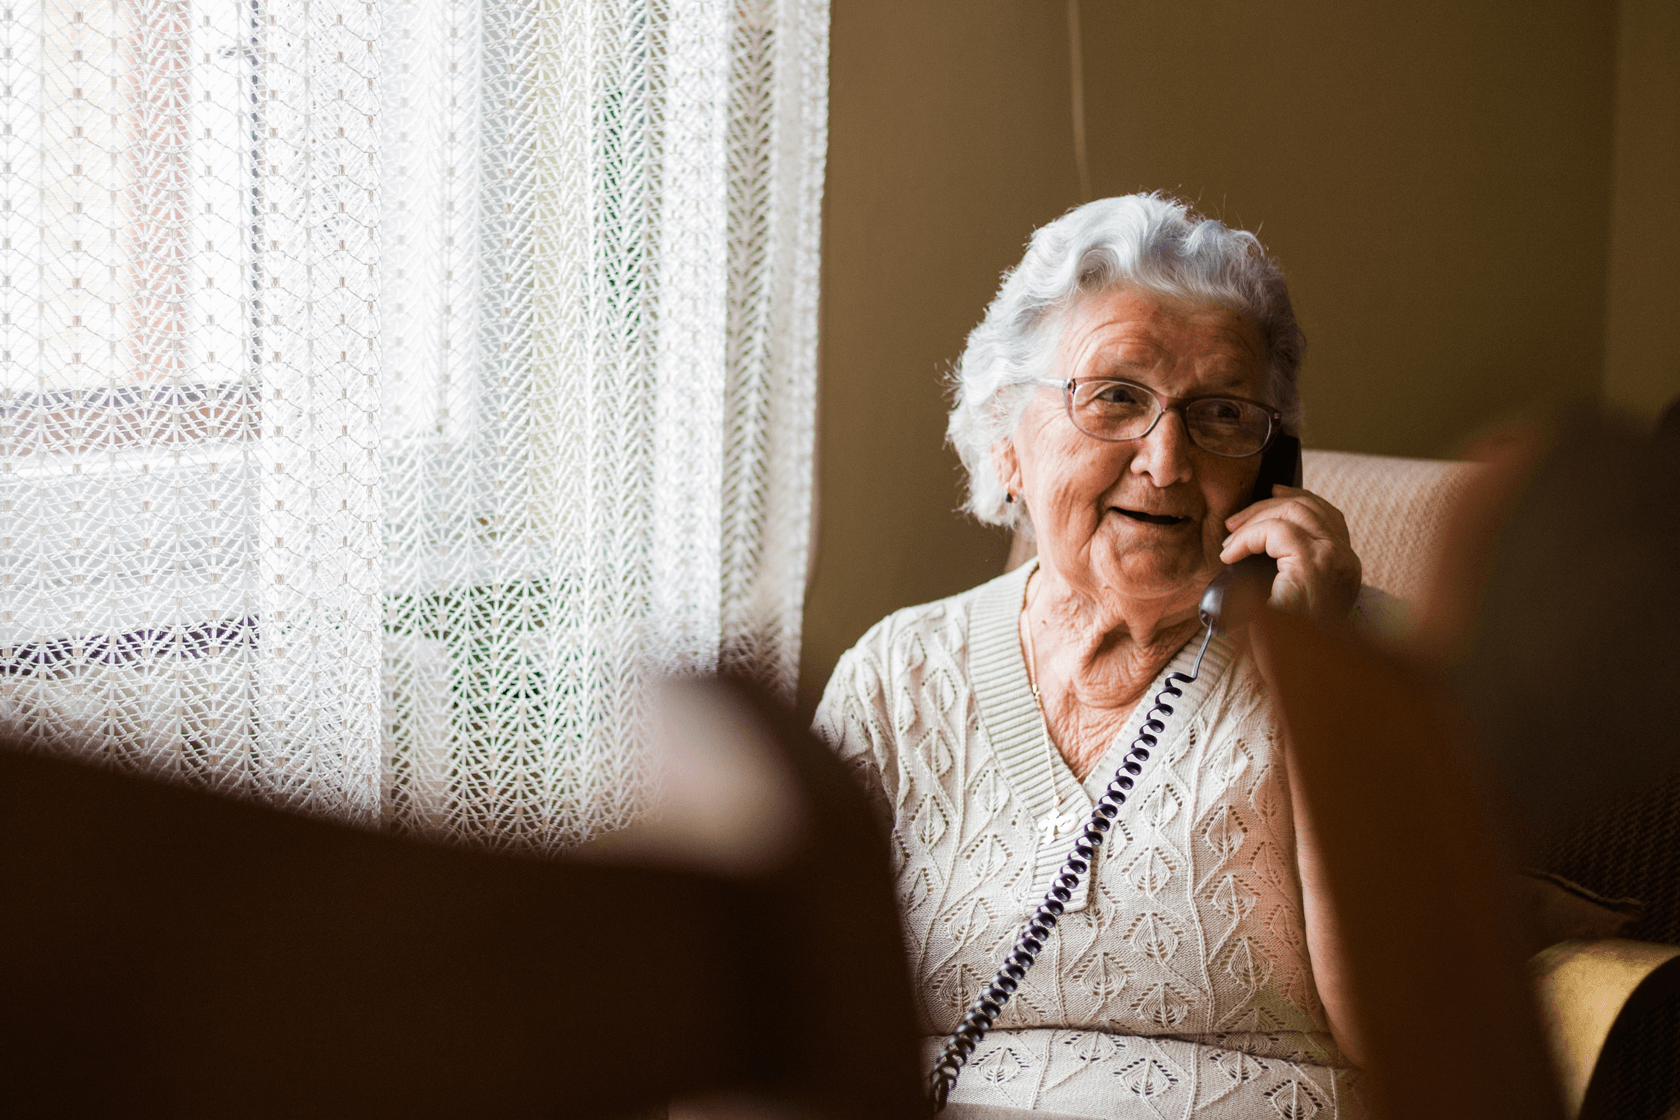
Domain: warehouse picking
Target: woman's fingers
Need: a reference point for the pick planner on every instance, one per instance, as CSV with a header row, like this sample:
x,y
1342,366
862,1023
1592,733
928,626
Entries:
x,y
1281,538
1304,507
1318,572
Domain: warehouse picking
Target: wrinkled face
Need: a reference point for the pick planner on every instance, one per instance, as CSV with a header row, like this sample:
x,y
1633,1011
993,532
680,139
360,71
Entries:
x,y
1143,518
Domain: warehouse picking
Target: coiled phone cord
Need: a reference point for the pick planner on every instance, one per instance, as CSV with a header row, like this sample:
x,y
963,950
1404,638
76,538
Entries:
x,y
985,1010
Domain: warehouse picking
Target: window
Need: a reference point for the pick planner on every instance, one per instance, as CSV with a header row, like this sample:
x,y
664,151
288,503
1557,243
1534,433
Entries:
x,y
388,387
127,405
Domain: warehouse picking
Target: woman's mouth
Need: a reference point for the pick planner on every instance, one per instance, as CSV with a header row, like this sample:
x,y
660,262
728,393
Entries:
x,y
1151,518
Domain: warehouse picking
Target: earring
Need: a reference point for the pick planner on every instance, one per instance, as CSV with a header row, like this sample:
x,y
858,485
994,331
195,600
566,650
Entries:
x,y
1009,498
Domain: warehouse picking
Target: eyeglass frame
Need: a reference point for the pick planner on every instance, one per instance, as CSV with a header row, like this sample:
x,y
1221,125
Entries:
x,y
1164,404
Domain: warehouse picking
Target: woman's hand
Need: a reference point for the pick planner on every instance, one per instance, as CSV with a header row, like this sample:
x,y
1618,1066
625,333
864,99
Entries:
x,y
1318,573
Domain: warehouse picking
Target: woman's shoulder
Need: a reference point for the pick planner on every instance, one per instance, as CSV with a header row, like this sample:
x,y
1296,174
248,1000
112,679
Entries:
x,y
913,664
943,624
926,642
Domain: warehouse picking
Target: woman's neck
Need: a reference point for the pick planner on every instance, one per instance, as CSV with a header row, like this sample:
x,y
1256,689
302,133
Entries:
x,y
1092,658
1093,626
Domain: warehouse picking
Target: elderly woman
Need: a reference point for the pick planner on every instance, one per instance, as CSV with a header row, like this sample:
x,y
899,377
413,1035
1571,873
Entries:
x,y
1115,404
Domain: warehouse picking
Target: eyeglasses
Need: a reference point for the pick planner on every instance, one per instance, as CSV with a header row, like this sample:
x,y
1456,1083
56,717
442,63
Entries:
x,y
1230,427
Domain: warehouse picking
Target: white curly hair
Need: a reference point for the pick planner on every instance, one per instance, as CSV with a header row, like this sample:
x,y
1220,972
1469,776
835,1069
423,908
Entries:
x,y
1148,242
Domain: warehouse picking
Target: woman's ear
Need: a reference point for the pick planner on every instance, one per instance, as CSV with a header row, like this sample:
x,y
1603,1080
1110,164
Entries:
x,y
1007,464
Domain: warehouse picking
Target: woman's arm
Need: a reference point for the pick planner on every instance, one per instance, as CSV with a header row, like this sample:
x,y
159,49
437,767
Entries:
x,y
853,720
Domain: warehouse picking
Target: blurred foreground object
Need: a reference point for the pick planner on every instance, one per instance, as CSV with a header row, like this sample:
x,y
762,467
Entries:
x,y
1562,582
1554,609
1553,606
1558,611
169,953
1415,878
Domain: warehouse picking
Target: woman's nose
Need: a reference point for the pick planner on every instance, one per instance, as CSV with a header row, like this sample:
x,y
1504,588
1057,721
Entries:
x,y
1164,453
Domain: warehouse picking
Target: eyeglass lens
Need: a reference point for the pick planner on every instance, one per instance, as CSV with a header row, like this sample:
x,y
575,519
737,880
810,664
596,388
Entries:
x,y
1119,410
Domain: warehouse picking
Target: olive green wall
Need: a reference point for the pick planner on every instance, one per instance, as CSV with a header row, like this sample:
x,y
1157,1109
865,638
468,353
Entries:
x,y
948,142
1642,337
1437,179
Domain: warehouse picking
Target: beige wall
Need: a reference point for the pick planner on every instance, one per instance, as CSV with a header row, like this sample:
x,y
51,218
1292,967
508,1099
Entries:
x,y
1435,177
949,140
1642,335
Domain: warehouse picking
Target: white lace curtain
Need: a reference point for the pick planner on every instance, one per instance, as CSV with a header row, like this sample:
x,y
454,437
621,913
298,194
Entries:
x,y
390,390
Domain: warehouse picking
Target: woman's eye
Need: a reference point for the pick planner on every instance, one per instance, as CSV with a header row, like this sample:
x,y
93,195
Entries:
x,y
1119,395
1223,412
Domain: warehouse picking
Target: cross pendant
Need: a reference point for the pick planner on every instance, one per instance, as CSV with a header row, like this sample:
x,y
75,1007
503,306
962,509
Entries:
x,y
1055,824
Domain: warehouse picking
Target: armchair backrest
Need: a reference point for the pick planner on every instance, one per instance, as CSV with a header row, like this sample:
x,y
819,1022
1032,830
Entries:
x,y
1395,509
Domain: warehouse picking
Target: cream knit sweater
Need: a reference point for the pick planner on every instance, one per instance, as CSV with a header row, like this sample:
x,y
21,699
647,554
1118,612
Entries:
x,y
1179,984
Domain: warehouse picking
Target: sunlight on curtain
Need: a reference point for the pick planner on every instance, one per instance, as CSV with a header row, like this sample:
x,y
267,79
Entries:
x,y
391,391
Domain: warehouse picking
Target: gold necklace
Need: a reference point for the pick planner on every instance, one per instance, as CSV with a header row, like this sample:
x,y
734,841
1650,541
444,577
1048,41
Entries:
x,y
1051,827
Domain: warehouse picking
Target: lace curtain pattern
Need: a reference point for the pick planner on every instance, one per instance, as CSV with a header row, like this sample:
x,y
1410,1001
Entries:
x,y
390,391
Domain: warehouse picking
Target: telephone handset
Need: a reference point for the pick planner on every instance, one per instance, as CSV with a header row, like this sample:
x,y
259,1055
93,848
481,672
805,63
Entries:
x,y
1248,581
1279,466
1251,577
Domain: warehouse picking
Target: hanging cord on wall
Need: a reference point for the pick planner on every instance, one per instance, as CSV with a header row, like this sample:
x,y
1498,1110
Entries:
x,y
1076,69
985,1010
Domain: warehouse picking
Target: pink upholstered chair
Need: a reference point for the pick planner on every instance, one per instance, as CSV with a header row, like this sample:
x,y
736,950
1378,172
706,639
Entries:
x,y
1394,508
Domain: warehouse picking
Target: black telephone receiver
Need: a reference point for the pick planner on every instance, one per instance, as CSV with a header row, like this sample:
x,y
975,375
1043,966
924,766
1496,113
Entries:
x,y
1252,576
1279,466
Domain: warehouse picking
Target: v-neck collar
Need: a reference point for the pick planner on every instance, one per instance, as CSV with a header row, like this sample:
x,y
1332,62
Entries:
x,y
1214,663
1016,731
